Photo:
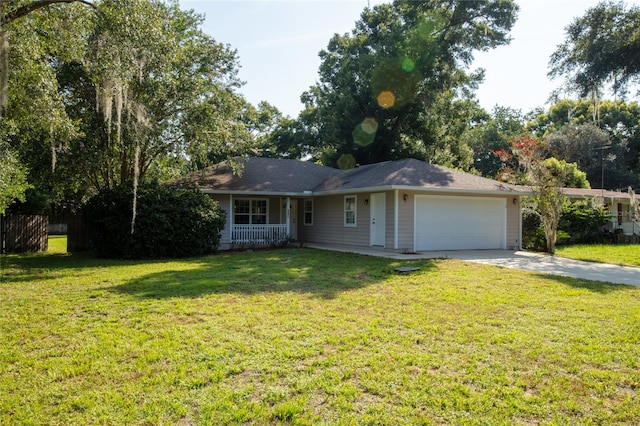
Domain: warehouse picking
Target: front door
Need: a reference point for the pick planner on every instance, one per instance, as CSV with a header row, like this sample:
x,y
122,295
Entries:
x,y
378,223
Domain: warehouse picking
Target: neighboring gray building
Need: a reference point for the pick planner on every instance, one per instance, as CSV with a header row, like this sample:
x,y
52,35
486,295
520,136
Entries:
x,y
620,206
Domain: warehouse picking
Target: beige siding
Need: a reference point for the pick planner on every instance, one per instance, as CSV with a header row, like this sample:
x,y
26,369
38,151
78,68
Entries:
x,y
223,200
389,226
274,207
405,221
328,222
513,224
328,226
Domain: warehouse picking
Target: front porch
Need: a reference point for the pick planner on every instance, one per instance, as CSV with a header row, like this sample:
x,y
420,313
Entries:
x,y
627,228
263,221
625,232
623,224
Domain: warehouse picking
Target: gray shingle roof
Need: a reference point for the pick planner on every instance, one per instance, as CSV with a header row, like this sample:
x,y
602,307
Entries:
x,y
280,176
415,173
581,192
268,175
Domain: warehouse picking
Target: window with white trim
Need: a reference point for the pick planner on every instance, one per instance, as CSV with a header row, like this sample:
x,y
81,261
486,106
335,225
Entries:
x,y
308,212
249,211
350,210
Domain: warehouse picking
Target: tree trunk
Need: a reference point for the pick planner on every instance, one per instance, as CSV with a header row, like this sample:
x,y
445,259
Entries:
x,y
551,236
4,70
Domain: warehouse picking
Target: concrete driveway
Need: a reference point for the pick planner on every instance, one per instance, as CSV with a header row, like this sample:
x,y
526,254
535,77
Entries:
x,y
526,261
553,265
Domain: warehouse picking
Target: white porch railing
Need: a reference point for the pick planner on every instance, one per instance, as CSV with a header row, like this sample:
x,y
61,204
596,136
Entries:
x,y
258,234
629,228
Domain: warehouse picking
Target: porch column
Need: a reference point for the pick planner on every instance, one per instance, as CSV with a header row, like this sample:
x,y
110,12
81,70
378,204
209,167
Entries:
x,y
396,216
520,246
288,216
230,218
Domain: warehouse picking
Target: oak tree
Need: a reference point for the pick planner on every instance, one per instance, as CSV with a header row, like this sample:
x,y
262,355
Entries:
x,y
399,84
601,48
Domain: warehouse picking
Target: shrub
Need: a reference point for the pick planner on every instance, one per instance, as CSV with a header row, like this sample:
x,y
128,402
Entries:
x,y
533,237
532,233
169,222
584,221
35,202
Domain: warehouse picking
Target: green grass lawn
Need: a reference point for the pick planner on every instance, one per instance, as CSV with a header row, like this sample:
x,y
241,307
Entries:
x,y
57,244
305,336
617,254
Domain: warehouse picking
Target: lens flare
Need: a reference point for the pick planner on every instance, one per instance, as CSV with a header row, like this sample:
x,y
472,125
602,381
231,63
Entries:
x,y
386,99
408,65
370,125
346,162
394,83
365,132
429,28
333,183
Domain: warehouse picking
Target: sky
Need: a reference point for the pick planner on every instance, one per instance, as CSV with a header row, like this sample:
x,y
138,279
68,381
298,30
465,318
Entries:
x,y
278,42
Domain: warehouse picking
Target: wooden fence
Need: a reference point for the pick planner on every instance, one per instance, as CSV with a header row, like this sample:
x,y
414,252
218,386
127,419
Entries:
x,y
24,234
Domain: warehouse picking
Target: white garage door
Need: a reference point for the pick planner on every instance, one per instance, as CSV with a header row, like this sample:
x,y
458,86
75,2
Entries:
x,y
460,222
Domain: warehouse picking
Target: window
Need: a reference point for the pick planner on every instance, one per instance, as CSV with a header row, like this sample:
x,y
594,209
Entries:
x,y
308,212
249,212
350,210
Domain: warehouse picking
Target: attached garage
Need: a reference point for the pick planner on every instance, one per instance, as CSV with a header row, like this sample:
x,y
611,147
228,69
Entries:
x,y
444,222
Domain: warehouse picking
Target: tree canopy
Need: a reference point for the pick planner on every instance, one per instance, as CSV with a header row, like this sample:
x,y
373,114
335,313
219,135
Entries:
x,y
399,86
13,180
527,162
134,89
489,133
601,48
131,89
604,135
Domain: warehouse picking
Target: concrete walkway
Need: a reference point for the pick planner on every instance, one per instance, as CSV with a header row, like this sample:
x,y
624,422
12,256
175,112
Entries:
x,y
526,261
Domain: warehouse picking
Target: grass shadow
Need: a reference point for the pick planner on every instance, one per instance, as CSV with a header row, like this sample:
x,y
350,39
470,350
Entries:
x,y
321,273
584,284
25,267
596,261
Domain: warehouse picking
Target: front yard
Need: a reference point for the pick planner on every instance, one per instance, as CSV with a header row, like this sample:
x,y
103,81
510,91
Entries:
x,y
304,336
616,254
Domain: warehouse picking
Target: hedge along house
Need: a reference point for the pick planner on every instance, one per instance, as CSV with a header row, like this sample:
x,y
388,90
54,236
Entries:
x,y
405,205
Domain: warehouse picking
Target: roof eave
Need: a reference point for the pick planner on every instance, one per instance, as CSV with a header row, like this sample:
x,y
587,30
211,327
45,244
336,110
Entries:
x,y
507,192
256,193
621,196
421,189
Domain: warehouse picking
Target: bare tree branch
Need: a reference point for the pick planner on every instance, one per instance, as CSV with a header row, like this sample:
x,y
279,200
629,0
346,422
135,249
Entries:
x,y
30,7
